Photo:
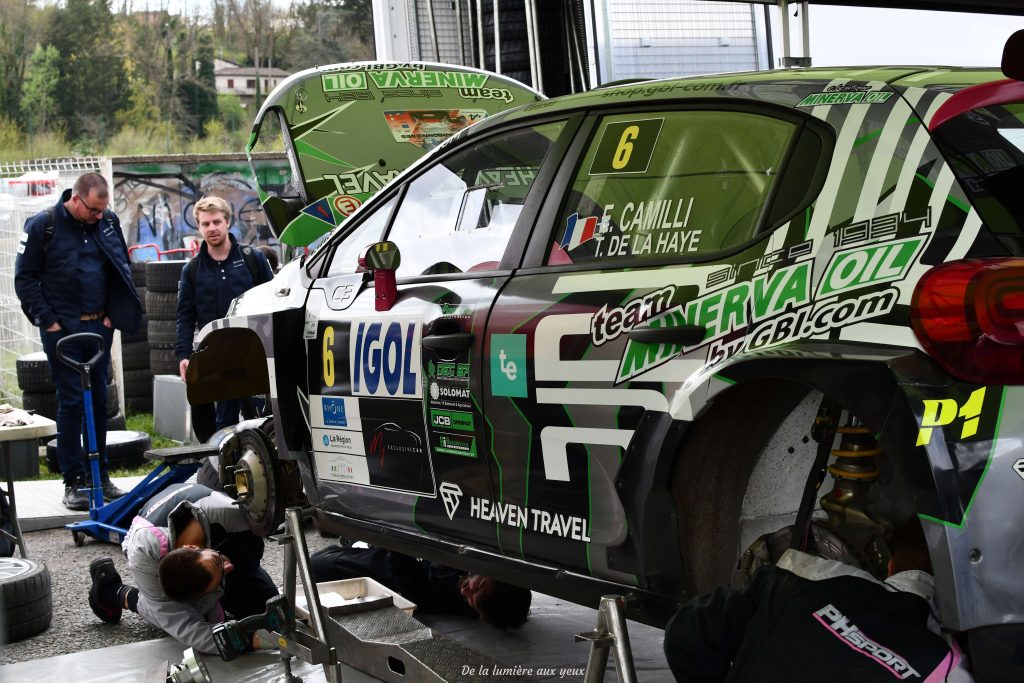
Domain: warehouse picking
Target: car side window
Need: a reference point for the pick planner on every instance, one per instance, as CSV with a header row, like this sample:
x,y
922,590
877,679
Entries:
x,y
458,216
343,262
670,184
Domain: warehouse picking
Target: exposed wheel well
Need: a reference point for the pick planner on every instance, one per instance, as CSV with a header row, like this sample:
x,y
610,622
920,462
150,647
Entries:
x,y
230,363
711,472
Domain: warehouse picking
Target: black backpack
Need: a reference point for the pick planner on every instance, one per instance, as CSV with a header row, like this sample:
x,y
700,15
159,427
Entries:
x,y
48,230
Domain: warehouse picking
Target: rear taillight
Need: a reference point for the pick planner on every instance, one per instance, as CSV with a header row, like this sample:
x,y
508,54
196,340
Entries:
x,y
969,316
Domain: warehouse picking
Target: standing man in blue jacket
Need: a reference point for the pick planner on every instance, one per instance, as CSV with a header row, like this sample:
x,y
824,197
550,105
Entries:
x,y
72,275
209,281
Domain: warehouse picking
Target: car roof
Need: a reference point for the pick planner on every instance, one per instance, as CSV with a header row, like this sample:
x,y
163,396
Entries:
x,y
787,88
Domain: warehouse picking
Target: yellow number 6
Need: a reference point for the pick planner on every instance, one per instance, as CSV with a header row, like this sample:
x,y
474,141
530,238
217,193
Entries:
x,y
625,148
328,357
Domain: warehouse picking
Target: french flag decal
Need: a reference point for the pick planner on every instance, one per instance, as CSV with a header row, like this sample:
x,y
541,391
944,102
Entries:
x,y
577,232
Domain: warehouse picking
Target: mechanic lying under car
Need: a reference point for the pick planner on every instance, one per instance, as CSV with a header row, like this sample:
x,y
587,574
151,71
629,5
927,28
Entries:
x,y
812,619
435,588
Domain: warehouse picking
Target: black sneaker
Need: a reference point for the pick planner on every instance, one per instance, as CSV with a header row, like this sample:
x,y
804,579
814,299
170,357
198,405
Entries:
x,y
110,491
103,574
75,498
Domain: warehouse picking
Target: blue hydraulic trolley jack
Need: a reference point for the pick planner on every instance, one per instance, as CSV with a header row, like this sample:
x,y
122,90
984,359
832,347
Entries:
x,y
110,522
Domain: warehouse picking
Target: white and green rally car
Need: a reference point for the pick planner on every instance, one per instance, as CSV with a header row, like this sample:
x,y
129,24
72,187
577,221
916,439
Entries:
x,y
633,328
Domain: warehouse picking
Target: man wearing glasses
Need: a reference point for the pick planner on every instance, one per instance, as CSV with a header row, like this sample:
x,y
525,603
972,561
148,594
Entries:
x,y
72,275
194,562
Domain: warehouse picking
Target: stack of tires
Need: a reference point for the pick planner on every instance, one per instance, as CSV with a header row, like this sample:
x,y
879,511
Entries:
x,y
40,395
162,308
138,378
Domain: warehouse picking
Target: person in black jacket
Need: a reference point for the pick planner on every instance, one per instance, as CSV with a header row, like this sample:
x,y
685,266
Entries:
x,y
811,619
72,275
435,588
220,272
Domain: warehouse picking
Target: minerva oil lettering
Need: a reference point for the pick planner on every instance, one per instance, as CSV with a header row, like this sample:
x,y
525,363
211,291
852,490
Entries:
x,y
385,353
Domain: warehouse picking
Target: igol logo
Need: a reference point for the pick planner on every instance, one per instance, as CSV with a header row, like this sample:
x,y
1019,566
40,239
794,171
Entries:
x,y
326,440
388,352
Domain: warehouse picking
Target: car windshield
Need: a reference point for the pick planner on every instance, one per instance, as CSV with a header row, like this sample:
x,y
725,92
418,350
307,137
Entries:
x,y
985,147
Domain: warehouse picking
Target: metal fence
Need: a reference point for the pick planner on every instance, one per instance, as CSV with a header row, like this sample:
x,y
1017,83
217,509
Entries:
x,y
17,335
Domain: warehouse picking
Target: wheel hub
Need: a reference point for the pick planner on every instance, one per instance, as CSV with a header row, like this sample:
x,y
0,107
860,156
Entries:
x,y
252,483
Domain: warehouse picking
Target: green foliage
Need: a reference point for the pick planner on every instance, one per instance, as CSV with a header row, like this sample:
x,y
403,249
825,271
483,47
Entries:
x,y
330,32
143,422
39,94
233,115
18,146
93,83
77,77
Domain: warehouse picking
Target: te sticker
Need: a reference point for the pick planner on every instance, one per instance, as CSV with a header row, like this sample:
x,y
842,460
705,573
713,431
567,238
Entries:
x,y
508,365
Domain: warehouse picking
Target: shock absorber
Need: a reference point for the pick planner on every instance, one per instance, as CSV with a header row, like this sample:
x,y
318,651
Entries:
x,y
848,504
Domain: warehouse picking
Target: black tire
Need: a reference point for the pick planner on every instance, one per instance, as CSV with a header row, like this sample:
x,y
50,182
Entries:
x,y
141,291
163,276
34,373
138,383
43,403
26,601
116,423
138,405
134,356
161,305
124,449
163,361
162,331
139,336
113,405
139,274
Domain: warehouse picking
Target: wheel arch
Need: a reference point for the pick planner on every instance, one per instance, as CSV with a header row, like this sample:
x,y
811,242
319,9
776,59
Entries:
x,y
231,362
736,425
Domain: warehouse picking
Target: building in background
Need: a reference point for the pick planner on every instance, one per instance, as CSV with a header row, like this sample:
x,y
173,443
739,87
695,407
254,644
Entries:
x,y
561,46
233,79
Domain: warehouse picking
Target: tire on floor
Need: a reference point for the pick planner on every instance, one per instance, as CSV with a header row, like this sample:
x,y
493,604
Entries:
x,y
26,603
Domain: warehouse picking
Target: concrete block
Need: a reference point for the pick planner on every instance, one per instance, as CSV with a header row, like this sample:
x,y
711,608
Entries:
x,y
172,415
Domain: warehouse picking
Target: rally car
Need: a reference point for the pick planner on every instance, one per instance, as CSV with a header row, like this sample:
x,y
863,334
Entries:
x,y
621,322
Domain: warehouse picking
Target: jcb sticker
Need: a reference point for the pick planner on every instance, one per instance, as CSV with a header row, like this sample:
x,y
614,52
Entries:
x,y
944,411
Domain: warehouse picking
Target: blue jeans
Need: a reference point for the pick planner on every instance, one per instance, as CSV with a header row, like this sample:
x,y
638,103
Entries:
x,y
71,433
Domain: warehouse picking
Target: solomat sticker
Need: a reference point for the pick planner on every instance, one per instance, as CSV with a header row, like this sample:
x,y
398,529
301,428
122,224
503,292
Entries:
x,y
515,516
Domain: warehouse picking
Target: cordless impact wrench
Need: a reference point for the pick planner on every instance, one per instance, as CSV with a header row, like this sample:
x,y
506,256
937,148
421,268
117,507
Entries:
x,y
232,636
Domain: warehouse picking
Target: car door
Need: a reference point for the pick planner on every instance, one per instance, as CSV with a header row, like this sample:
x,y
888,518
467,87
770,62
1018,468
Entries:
x,y
397,428
657,203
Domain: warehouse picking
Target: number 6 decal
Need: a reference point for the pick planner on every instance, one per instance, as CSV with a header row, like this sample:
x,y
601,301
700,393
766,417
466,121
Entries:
x,y
626,146
328,356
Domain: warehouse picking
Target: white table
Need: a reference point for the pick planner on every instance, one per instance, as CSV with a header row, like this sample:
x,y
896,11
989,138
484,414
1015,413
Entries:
x,y
39,427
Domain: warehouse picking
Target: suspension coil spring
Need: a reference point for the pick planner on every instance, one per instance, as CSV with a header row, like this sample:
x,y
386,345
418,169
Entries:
x,y
855,457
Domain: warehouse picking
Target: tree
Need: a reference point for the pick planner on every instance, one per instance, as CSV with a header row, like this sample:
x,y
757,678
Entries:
x,y
93,83
21,25
328,32
39,94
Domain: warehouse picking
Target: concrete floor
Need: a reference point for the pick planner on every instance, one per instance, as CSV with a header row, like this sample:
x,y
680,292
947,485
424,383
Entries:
x,y
546,641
